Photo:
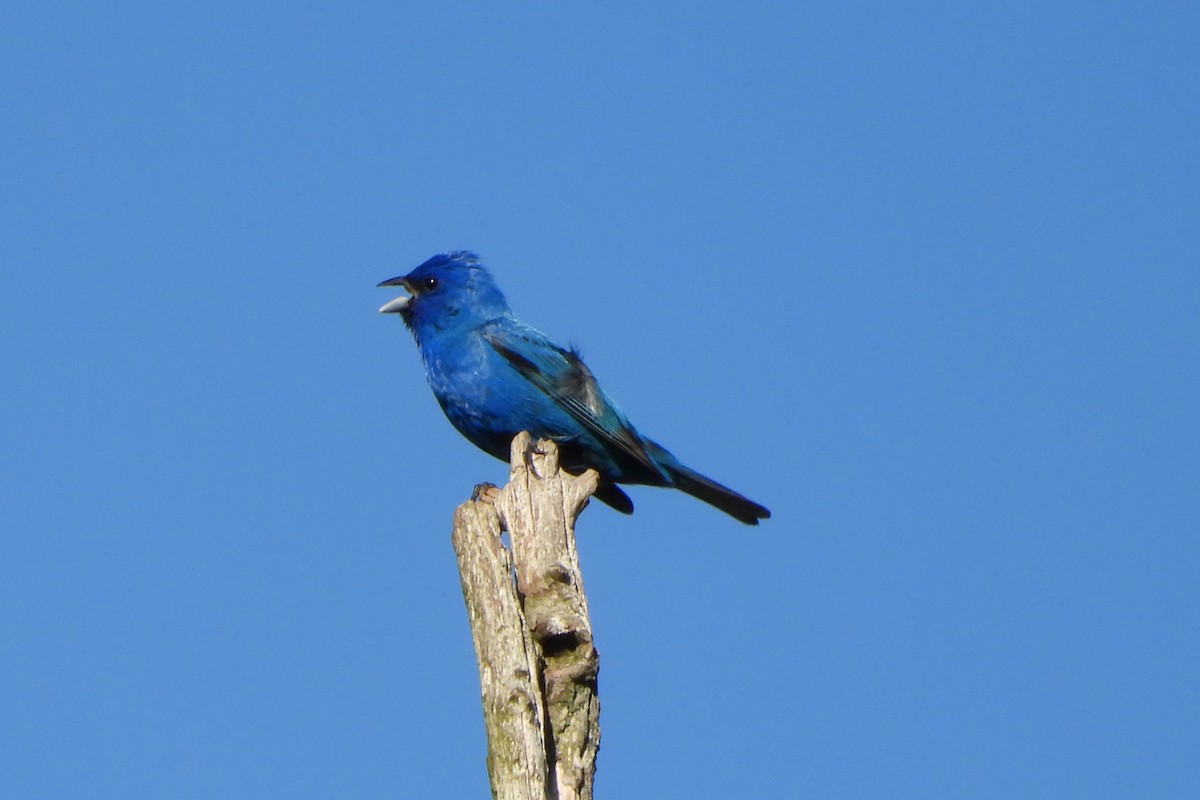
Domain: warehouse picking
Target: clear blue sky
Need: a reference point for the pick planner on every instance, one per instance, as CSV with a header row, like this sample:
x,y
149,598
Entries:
x,y
922,278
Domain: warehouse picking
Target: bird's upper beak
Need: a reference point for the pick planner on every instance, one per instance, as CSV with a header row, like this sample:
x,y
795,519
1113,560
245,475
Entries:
x,y
400,303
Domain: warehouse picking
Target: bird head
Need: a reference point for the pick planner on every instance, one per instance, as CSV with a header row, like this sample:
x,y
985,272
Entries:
x,y
450,290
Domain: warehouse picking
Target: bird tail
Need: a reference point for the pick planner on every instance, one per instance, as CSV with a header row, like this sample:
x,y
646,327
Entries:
x,y
741,508
735,505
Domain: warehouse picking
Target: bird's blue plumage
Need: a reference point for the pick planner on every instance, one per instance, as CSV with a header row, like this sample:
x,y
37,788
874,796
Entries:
x,y
495,376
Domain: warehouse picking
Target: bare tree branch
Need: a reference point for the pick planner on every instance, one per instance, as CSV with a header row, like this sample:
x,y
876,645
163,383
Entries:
x,y
513,710
529,620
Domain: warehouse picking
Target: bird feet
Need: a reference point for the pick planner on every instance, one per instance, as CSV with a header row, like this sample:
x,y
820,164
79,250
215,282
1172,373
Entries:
x,y
487,492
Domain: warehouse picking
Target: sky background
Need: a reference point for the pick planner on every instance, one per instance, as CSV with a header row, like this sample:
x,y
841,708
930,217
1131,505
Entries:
x,y
921,278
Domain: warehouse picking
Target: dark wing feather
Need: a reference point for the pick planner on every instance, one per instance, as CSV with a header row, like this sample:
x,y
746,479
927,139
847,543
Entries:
x,y
573,387
611,494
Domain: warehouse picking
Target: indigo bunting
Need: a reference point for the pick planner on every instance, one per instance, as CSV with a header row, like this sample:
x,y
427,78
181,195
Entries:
x,y
495,376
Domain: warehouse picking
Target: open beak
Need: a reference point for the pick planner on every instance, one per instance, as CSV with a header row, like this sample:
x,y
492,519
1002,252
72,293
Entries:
x,y
400,303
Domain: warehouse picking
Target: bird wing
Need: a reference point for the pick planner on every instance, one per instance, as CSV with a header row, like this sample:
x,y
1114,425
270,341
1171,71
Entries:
x,y
563,377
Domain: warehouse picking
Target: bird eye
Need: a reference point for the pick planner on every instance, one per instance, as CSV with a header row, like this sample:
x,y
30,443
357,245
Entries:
x,y
429,284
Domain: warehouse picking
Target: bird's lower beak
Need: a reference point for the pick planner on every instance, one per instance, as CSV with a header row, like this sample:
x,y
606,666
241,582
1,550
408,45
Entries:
x,y
400,303
395,306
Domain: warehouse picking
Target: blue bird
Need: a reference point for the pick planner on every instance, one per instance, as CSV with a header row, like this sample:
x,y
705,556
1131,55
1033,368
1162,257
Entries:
x,y
495,376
